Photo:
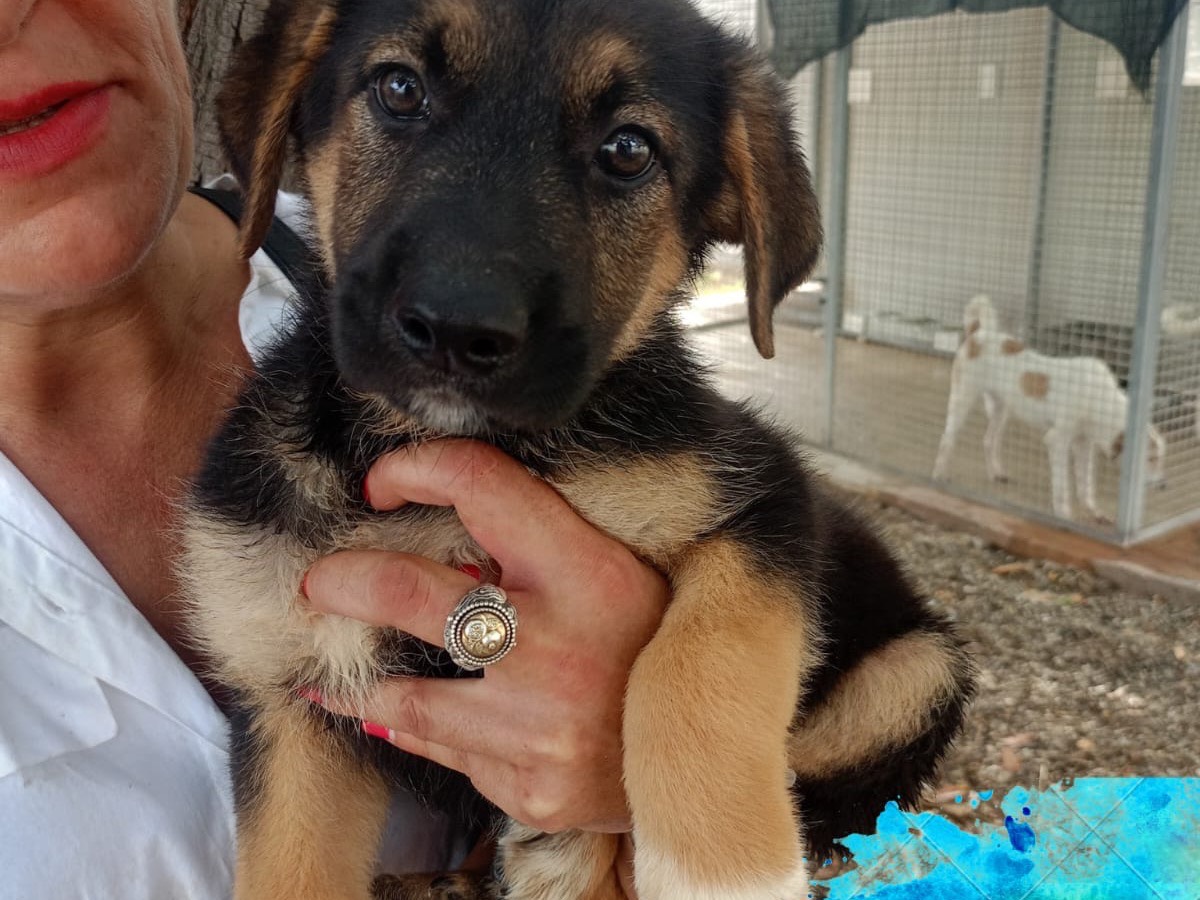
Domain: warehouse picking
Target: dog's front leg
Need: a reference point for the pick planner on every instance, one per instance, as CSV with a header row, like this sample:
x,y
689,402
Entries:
x,y
707,713
997,416
570,865
1058,445
1084,453
309,814
963,392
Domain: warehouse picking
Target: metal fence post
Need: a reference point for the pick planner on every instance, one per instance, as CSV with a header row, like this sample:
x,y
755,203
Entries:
x,y
816,119
1033,300
1172,58
835,227
764,31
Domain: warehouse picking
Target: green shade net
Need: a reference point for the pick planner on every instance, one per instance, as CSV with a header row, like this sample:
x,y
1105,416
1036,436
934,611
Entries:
x,y
805,30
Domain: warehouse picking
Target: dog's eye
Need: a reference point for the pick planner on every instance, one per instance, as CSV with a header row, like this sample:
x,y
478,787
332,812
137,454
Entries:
x,y
401,94
627,154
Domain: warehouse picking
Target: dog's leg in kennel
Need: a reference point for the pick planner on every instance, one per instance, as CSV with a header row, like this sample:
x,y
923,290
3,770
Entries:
x,y
309,813
997,416
707,712
963,392
1058,445
1083,453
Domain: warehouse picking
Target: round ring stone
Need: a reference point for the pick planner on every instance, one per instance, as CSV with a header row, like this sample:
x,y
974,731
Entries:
x,y
482,628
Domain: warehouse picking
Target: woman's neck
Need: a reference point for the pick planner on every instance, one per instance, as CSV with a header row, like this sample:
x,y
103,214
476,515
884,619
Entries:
x,y
107,407
99,359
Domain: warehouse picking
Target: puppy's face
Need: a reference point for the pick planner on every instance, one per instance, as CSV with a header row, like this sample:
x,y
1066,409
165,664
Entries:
x,y
508,194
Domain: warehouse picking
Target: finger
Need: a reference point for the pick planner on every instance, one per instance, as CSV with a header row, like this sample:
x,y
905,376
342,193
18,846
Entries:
x,y
394,590
498,781
515,516
449,757
501,783
468,715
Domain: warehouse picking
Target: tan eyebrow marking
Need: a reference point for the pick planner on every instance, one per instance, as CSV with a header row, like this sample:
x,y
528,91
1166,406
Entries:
x,y
601,60
459,27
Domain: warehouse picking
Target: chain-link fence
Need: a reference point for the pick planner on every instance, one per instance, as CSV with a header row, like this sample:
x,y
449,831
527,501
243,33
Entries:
x,y
1006,157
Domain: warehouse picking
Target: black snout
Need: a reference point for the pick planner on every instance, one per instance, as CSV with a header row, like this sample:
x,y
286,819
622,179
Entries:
x,y
473,337
456,322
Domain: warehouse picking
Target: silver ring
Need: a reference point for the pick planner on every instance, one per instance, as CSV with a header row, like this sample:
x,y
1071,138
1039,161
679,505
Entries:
x,y
482,628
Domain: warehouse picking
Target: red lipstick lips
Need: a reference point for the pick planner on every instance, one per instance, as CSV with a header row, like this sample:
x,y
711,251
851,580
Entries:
x,y
46,130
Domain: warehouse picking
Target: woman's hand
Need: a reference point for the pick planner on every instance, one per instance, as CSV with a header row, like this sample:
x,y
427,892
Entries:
x,y
540,735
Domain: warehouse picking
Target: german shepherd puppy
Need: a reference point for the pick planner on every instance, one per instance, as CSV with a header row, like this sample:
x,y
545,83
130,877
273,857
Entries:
x,y
508,200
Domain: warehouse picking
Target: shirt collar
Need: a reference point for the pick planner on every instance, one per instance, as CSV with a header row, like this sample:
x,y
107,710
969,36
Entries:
x,y
56,593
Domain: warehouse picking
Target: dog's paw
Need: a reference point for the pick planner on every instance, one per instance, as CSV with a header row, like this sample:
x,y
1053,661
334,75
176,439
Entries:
x,y
661,879
456,886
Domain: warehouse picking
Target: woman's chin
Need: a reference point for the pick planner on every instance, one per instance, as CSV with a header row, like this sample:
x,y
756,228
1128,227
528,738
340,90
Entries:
x,y
82,245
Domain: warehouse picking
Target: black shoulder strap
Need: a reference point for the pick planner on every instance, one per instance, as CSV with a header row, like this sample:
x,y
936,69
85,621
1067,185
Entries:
x,y
282,245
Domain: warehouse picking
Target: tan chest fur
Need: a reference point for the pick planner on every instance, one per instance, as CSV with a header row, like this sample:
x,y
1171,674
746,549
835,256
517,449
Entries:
x,y
244,583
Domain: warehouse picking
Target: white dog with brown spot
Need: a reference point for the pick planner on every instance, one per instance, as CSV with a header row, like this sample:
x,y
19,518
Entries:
x,y
1075,401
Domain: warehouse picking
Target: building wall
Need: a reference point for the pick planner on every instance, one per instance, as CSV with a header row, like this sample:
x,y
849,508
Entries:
x,y
1096,190
942,197
941,179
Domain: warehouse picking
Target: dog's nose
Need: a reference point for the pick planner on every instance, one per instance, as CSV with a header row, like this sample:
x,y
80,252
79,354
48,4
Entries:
x,y
474,346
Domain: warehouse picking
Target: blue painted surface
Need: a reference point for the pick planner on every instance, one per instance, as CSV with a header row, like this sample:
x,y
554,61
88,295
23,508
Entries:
x,y
1020,835
1093,839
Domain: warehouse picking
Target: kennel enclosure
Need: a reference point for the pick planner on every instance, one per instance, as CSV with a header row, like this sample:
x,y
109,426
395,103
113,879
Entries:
x,y
1008,153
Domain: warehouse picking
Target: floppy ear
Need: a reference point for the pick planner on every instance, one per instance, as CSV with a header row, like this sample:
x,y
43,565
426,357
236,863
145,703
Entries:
x,y
767,203
259,98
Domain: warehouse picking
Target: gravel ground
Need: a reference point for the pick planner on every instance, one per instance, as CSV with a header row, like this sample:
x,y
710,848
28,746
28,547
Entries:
x,y
1077,678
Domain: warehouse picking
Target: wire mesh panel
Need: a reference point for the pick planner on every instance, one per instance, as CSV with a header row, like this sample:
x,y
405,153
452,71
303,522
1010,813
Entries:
x,y
791,387
1177,381
944,148
997,236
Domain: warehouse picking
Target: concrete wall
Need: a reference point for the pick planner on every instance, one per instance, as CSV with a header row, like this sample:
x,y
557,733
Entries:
x,y
941,179
942,196
1096,191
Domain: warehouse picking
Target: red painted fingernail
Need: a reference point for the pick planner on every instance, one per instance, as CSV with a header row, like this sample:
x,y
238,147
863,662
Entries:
x,y
474,571
366,491
377,731
311,694
304,586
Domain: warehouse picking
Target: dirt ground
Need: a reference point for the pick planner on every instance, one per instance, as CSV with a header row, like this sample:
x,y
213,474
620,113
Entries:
x,y
1077,678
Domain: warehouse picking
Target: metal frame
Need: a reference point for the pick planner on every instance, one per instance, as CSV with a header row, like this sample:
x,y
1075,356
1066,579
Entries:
x,y
764,30
830,162
817,105
1050,76
1172,58
835,219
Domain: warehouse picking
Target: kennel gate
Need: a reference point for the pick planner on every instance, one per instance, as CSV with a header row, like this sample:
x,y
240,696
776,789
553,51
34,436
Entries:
x,y
1002,153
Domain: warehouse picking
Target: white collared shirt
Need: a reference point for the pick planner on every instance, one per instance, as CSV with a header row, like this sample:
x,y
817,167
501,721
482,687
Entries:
x,y
113,758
